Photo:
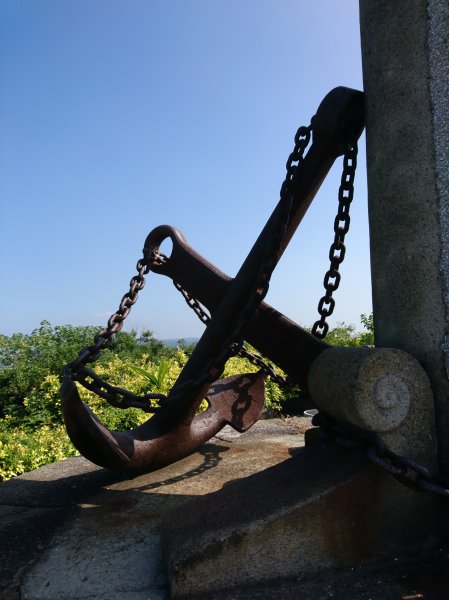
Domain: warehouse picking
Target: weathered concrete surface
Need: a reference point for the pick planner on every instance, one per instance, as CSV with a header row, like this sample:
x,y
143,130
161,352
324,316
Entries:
x,y
324,508
73,531
405,52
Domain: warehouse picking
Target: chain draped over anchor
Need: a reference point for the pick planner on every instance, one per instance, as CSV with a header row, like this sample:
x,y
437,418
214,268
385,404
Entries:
x,y
250,293
121,398
302,139
337,253
337,250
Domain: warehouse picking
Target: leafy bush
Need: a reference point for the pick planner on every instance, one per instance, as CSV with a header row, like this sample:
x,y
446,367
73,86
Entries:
x,y
23,450
346,335
26,360
31,426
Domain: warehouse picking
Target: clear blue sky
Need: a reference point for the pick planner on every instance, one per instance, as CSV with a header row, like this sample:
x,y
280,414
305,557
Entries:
x,y
117,116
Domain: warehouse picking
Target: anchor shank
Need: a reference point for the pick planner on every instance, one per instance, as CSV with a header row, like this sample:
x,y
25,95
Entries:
x,y
339,120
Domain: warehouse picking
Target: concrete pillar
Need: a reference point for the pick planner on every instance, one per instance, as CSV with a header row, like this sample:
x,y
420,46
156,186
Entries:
x,y
405,51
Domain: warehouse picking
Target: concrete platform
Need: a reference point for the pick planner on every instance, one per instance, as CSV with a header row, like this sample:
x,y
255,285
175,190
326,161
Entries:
x,y
72,531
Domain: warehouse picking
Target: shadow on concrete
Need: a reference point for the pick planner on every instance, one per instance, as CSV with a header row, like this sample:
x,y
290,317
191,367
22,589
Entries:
x,y
211,454
321,495
48,488
56,492
32,510
36,506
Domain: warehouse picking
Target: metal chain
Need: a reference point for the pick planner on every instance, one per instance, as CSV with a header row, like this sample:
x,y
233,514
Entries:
x,y
77,369
337,250
122,398
406,470
193,304
257,360
302,140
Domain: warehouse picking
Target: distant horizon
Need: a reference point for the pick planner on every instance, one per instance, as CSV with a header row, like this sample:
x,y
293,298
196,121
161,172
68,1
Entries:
x,y
171,342
162,338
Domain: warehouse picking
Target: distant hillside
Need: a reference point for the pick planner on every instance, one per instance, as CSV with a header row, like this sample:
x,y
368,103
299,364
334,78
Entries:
x,y
172,343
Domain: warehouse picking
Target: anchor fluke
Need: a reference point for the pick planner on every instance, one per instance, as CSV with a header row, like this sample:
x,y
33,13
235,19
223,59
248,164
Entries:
x,y
237,400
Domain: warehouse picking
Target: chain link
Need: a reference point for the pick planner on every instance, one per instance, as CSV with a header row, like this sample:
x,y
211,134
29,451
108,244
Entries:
x,y
193,304
337,250
258,361
406,470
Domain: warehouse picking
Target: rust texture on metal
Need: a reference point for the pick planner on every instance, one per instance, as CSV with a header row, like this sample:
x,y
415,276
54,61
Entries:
x,y
237,400
237,313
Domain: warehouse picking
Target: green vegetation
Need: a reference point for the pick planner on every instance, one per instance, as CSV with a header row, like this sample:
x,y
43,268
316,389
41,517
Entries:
x,y
31,427
346,335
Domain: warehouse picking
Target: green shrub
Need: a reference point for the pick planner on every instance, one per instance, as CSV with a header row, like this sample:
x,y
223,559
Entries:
x,y
31,428
26,360
23,450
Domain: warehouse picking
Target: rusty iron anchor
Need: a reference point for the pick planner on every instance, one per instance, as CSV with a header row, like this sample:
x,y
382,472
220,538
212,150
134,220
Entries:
x,y
176,430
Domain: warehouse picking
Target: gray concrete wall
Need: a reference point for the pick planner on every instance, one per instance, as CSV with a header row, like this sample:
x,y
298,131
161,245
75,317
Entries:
x,y
406,77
